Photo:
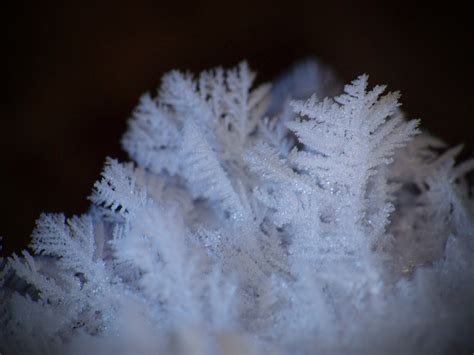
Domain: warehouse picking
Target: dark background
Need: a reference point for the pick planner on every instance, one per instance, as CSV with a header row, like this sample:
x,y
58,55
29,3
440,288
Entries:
x,y
74,72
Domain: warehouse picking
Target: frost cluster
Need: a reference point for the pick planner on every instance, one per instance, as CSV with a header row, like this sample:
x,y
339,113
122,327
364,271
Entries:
x,y
257,220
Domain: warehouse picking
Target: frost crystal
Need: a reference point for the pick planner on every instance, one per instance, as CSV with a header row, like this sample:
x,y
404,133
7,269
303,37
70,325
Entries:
x,y
257,220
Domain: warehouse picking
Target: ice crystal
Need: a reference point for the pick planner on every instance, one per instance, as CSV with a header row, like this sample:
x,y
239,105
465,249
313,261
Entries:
x,y
301,218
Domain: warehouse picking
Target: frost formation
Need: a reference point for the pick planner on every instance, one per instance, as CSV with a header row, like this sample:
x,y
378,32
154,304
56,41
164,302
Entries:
x,y
257,220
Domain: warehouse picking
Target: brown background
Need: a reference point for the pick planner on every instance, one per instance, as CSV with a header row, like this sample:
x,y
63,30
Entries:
x,y
75,71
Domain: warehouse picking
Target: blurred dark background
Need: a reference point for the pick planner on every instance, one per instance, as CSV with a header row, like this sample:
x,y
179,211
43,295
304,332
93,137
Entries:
x,y
74,72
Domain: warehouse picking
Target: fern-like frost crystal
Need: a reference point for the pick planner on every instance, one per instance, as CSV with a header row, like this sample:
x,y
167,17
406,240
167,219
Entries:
x,y
301,218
